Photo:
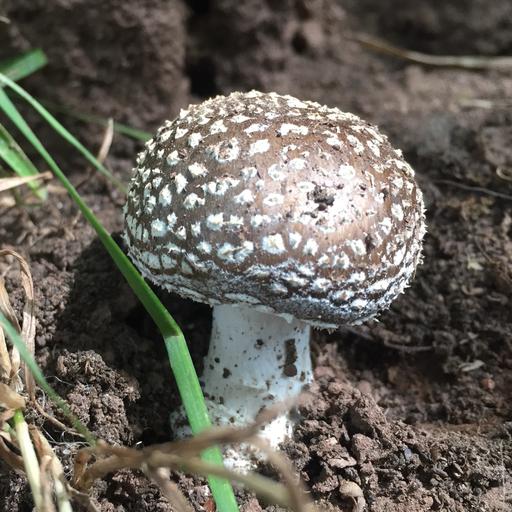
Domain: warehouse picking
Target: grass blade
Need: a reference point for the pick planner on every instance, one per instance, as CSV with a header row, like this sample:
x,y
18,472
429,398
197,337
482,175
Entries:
x,y
16,159
123,129
11,111
17,68
17,341
23,65
179,356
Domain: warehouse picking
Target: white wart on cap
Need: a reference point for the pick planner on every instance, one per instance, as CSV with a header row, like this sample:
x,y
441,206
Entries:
x,y
285,205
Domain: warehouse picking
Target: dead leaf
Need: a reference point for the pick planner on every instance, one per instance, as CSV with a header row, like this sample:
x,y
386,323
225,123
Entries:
x,y
28,329
9,457
9,399
5,359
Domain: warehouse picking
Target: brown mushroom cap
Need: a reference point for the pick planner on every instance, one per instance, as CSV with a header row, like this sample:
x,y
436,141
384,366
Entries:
x,y
286,205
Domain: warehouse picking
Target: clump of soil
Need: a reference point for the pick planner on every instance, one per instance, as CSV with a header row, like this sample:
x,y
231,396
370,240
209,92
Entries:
x,y
414,410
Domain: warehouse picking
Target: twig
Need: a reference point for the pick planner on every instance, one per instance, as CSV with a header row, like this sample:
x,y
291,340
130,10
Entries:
x,y
485,103
183,455
407,349
478,190
298,498
84,499
55,421
389,344
262,486
137,459
445,61
169,489
106,142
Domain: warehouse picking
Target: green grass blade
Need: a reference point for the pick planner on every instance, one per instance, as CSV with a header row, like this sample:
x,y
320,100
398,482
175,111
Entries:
x,y
23,65
179,356
16,159
123,129
12,113
17,68
27,357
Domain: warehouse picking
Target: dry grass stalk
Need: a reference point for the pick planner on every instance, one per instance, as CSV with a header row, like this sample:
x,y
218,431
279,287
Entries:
x,y
161,477
184,456
56,480
28,328
117,458
446,61
46,484
10,399
106,143
5,359
299,500
10,183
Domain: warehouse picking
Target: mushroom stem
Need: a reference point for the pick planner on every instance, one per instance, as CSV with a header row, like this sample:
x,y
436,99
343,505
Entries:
x,y
255,360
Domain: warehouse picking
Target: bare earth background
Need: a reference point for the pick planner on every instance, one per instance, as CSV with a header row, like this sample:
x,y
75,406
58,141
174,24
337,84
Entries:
x,y
416,409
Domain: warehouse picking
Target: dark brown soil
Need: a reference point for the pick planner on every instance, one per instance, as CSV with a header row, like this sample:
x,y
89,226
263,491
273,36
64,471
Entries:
x,y
415,409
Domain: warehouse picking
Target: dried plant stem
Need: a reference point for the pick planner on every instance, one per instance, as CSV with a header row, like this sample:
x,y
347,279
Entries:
x,y
28,328
182,456
10,183
262,486
136,459
478,190
298,499
29,459
169,489
46,485
446,61
55,469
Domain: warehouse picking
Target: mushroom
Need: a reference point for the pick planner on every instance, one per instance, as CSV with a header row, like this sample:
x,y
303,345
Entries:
x,y
283,215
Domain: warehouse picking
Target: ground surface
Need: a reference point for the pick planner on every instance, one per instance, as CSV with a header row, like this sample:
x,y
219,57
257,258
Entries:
x,y
415,409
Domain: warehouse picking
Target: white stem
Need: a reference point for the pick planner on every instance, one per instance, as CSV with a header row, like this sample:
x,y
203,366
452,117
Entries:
x,y
255,360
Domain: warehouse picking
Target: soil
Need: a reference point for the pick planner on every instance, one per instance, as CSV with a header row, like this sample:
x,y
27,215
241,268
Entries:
x,y
414,409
